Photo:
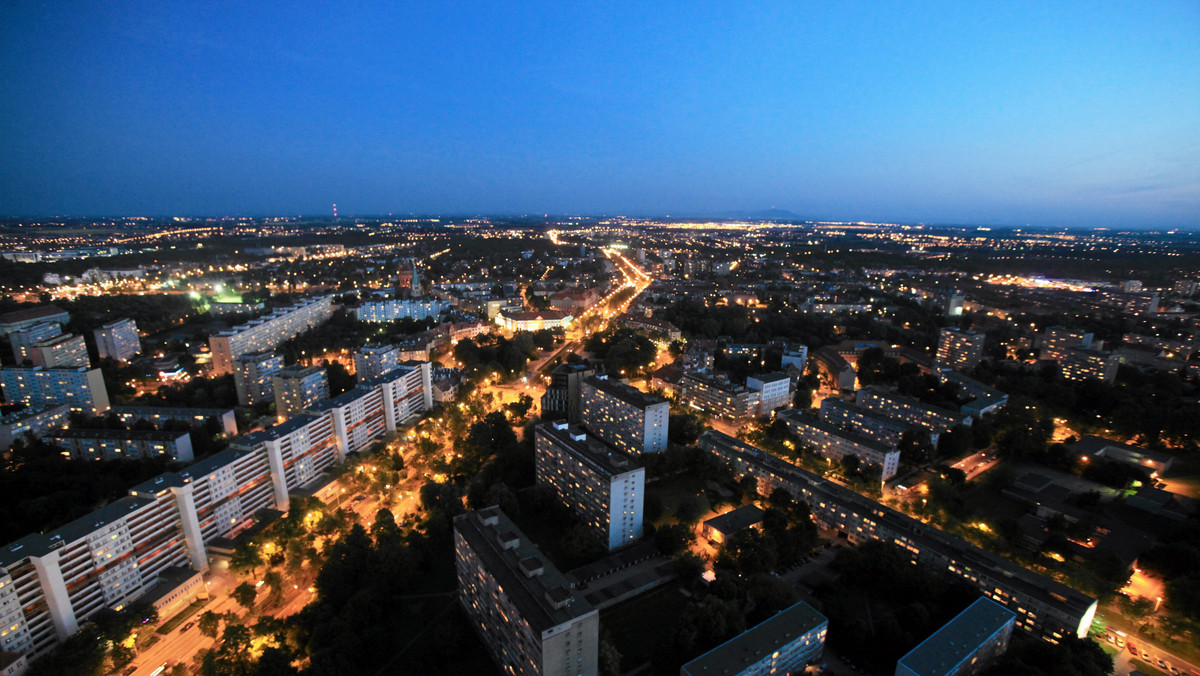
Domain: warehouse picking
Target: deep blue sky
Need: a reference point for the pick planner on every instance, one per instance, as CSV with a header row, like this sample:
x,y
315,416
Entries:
x,y
1050,113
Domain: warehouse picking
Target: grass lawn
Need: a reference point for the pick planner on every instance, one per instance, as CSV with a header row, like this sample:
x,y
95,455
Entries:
x,y
641,626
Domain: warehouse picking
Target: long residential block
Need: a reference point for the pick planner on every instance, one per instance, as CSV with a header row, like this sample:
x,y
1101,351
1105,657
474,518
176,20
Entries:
x,y
1044,607
51,583
531,620
593,479
267,332
910,410
224,418
80,388
783,644
35,421
882,428
123,444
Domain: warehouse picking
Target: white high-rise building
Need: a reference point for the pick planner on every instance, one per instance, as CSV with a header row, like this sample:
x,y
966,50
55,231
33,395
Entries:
x,y
118,340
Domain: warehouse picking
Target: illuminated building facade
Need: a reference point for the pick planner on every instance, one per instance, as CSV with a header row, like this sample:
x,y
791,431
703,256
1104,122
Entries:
x,y
80,388
267,332
118,340
530,619
630,420
594,480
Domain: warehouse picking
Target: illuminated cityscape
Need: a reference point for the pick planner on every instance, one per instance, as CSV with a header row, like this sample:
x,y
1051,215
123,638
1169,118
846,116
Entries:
x,y
604,339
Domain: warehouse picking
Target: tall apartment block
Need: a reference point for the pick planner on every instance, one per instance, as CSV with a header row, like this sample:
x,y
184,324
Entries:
x,y
531,620
774,391
600,484
630,420
1044,607
796,355
51,583
960,350
964,646
717,396
783,644
833,443
67,351
80,388
910,410
267,332
563,399
1056,340
123,444
118,340
297,388
252,373
372,361
23,341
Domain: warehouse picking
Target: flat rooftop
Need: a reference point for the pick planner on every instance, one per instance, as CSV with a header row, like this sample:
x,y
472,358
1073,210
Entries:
x,y
752,645
949,646
735,520
588,448
626,393
532,592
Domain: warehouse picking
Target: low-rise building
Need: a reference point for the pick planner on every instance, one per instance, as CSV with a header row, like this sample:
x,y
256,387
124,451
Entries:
x,y
719,528
88,444
593,479
910,410
1156,463
834,443
530,619
783,644
964,646
34,421
536,320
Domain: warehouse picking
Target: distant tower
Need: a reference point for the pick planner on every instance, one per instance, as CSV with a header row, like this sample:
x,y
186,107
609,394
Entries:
x,y
335,216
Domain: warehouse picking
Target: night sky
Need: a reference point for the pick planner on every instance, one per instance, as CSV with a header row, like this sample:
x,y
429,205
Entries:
x,y
1043,113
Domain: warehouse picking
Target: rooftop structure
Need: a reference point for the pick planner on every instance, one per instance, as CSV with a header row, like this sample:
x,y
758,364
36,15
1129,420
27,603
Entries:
x,y
594,480
519,602
964,646
631,420
783,644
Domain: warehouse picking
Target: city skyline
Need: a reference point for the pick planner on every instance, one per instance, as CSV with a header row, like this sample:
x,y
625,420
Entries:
x,y
1070,116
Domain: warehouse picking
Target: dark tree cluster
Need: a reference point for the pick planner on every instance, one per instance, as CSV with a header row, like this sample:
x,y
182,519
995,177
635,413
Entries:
x,y
882,606
1177,559
623,351
43,489
496,354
